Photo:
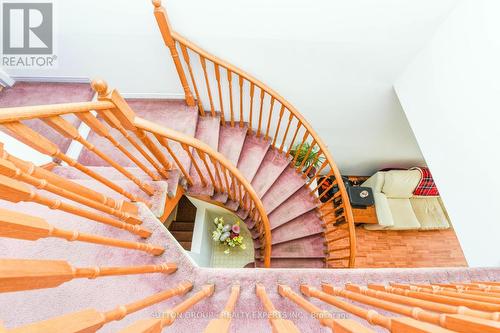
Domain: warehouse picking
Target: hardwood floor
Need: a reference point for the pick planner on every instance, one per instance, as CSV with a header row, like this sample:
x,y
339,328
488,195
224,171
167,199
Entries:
x,y
437,248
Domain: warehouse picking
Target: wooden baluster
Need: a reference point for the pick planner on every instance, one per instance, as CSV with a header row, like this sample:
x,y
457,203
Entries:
x,y
99,128
153,148
15,191
203,158
166,32
300,168
61,182
67,130
230,84
207,82
126,116
278,324
371,316
282,111
318,174
491,283
226,180
90,320
250,118
222,324
334,183
262,92
219,89
240,81
31,138
27,227
324,317
195,164
10,170
269,118
185,55
293,140
112,121
299,148
318,186
168,317
217,174
466,323
23,274
286,132
235,190
481,306
316,159
461,294
410,301
240,194
164,142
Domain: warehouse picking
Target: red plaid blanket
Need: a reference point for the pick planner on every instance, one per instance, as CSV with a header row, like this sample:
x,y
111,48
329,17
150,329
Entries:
x,y
426,187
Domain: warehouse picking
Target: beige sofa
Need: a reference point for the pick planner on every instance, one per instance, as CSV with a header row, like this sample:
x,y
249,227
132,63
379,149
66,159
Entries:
x,y
398,209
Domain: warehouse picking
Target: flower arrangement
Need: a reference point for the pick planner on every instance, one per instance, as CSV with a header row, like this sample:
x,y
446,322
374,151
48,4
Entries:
x,y
228,235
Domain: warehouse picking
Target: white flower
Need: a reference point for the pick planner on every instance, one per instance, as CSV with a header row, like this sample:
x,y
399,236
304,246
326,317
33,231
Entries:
x,y
227,251
243,246
216,235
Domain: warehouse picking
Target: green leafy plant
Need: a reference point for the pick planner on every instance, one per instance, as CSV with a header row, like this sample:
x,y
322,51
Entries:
x,y
311,158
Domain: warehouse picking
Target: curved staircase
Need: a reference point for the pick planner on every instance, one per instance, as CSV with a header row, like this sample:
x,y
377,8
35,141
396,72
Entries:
x,y
96,216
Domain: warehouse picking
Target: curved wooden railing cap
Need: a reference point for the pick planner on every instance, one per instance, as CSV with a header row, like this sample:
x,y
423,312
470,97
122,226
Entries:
x,y
199,145
128,118
170,37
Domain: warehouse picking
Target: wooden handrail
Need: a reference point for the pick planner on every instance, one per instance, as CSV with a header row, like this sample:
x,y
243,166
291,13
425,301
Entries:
x,y
23,274
27,227
42,111
90,320
170,36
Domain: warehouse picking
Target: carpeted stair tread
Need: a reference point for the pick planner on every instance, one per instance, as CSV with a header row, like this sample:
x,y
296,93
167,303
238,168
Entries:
x,y
299,203
287,184
172,114
207,131
231,140
305,225
253,152
269,171
40,93
294,263
307,247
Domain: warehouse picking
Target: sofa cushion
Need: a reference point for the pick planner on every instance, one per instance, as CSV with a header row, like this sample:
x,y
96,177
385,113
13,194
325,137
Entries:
x,y
375,182
402,214
384,215
430,213
400,183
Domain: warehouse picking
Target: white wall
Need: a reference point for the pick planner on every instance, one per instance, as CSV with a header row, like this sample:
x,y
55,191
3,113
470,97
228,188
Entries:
x,y
335,60
451,96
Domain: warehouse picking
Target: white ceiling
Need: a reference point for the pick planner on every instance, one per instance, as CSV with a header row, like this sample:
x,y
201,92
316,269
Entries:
x,y
335,60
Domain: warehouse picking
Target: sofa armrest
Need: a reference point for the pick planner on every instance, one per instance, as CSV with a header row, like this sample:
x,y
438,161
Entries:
x,y
384,214
375,182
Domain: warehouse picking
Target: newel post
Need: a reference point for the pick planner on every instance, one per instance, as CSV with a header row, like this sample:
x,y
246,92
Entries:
x,y
166,32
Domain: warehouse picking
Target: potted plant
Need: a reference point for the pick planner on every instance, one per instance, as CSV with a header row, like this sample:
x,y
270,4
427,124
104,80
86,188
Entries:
x,y
313,158
228,235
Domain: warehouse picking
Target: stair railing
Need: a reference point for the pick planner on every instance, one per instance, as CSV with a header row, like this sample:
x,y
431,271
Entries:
x,y
212,169
164,148
241,100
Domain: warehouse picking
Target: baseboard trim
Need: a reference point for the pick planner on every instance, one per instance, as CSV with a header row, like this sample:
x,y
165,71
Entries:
x,y
152,95
62,79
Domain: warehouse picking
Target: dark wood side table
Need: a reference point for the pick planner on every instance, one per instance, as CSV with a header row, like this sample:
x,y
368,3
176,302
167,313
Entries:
x,y
364,214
